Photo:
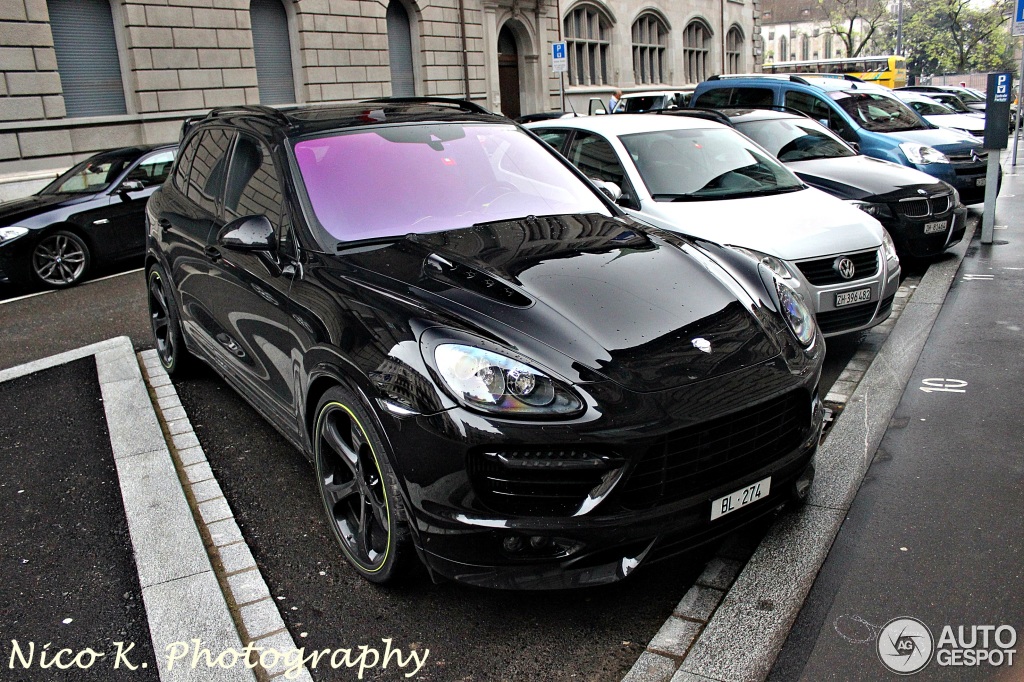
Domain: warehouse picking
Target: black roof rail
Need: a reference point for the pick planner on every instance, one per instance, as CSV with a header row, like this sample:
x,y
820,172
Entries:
x,y
463,104
697,112
251,110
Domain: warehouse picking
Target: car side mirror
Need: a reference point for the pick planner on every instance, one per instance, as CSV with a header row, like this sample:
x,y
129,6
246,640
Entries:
x,y
855,146
609,189
248,233
130,186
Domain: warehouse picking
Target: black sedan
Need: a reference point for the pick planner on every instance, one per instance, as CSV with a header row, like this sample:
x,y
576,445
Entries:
x,y
923,215
91,215
489,365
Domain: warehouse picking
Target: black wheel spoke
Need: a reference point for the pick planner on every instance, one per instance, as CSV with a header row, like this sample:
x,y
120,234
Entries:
x,y
337,492
345,451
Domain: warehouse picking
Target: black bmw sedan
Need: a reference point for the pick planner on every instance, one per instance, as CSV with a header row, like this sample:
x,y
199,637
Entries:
x,y
90,215
489,366
923,215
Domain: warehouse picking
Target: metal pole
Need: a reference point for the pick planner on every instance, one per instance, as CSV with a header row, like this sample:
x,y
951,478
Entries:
x,y
1020,102
988,218
899,29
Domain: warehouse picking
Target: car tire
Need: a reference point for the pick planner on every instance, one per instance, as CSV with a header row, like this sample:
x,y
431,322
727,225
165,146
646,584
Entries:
x,y
359,490
166,323
60,259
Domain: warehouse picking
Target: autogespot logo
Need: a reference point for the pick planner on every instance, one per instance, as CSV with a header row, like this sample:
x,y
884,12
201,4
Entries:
x,y
905,645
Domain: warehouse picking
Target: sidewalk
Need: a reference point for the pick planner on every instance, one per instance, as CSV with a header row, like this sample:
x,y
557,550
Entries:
x,y
936,531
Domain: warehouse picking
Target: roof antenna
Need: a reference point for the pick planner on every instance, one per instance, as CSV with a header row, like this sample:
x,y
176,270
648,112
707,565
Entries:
x,y
572,108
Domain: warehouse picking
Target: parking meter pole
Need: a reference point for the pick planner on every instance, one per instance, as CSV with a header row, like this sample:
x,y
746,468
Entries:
x,y
991,189
997,119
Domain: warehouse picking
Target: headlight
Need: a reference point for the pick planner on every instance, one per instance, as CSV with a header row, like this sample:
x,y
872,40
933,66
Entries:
x,y
888,246
494,383
956,196
8,234
922,154
798,315
771,262
873,210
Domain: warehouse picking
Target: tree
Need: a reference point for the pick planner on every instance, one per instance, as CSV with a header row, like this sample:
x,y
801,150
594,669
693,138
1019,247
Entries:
x,y
856,22
957,36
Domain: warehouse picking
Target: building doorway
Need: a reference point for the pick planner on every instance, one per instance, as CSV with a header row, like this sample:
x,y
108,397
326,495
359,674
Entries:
x,y
508,73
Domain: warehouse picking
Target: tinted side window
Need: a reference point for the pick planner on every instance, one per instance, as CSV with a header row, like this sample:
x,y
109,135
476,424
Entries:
x,y
555,138
719,97
593,155
209,168
752,97
817,109
185,163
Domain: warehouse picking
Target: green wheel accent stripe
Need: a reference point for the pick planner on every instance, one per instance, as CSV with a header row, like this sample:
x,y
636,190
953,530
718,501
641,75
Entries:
x,y
383,483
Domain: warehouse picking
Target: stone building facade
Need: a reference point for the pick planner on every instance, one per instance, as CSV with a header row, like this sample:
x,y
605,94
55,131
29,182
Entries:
x,y
795,30
83,75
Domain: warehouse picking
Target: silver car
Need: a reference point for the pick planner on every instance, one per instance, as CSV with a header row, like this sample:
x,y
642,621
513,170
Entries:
x,y
706,180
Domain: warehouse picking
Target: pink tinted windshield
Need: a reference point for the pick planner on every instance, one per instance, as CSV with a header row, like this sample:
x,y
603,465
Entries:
x,y
397,180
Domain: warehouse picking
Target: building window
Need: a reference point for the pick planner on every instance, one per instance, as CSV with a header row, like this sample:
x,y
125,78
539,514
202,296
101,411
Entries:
x,y
87,59
588,35
805,47
696,50
783,49
403,81
650,38
272,47
734,50
828,46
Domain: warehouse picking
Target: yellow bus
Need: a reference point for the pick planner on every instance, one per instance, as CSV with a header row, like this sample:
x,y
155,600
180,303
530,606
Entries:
x,y
887,70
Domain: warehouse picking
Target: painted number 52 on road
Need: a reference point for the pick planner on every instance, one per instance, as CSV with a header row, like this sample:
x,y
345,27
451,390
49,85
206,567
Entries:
x,y
741,498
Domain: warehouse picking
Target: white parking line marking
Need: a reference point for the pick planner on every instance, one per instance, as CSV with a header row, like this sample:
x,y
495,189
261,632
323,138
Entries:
x,y
53,291
944,385
978,278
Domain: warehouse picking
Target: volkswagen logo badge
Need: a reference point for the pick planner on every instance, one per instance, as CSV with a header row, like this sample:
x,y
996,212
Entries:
x,y
845,267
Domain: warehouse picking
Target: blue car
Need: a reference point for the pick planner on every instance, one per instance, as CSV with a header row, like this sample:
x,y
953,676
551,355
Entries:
x,y
866,115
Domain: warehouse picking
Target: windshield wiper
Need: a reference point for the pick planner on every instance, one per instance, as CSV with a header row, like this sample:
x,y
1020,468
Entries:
x,y
370,241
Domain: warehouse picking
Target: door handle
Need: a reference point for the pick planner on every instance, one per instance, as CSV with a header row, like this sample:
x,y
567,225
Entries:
x,y
213,253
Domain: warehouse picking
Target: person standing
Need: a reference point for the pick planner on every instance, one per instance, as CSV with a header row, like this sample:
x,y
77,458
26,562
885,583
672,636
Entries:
x,y
613,102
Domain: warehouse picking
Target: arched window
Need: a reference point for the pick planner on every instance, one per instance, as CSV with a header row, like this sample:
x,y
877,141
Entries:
x,y
783,49
805,47
734,50
696,50
588,35
650,38
87,58
273,51
403,80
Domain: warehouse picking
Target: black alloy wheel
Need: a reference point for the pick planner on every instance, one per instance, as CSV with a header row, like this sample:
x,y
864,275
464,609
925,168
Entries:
x,y
163,317
60,259
359,491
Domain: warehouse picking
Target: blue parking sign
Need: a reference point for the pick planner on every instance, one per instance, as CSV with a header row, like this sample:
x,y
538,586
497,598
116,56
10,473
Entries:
x,y
1018,18
559,58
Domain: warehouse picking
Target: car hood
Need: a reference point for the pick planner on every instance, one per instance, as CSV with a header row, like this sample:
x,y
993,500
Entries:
x,y
22,210
791,226
942,139
862,177
961,121
597,291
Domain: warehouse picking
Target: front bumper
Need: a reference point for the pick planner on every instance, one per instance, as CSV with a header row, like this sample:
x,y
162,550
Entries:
x,y
465,533
909,235
823,287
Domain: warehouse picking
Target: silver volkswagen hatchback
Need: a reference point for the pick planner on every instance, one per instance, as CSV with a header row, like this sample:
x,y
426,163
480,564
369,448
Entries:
x,y
705,179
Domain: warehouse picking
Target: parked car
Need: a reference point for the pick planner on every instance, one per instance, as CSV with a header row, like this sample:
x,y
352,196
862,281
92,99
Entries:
x,y
923,215
969,96
653,100
489,365
704,179
879,124
92,214
941,115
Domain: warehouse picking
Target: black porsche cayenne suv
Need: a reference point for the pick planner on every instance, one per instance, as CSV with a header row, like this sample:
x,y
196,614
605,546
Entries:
x,y
487,363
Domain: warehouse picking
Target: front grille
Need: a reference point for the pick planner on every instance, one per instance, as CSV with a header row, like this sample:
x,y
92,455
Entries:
x,y
979,157
704,456
538,481
821,271
846,318
922,207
